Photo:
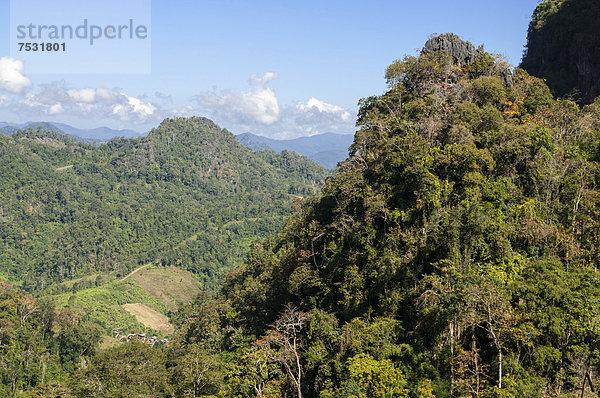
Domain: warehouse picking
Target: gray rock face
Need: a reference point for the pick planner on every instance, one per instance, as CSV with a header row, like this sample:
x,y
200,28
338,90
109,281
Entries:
x,y
462,51
507,77
563,48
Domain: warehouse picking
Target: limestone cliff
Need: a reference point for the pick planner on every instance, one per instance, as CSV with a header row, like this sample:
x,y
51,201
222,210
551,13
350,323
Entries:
x,y
563,47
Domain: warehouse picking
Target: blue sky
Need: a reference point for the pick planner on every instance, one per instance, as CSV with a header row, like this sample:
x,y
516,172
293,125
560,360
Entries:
x,y
276,68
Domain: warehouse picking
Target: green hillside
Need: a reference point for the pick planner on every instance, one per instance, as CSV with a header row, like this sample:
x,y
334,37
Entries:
x,y
454,254
188,194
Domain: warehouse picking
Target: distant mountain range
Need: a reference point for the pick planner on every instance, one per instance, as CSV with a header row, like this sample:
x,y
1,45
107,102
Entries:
x,y
96,134
326,149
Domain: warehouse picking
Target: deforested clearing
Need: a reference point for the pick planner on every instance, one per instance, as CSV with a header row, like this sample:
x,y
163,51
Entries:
x,y
149,317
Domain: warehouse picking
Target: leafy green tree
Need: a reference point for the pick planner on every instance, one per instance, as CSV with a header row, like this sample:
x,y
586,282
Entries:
x,y
377,379
128,370
197,373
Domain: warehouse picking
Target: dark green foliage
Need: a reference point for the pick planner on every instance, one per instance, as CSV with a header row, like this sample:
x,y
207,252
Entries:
x,y
563,47
188,194
39,344
130,370
454,252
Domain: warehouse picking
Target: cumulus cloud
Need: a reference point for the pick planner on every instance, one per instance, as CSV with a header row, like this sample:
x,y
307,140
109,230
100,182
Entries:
x,y
85,95
315,106
314,111
256,109
261,81
99,103
135,108
55,109
258,106
11,76
314,117
4,101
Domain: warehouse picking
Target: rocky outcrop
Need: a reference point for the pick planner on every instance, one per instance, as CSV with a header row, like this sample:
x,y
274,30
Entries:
x,y
462,51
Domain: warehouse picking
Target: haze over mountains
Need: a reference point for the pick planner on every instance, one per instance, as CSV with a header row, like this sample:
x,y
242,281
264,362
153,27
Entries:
x,y
95,134
326,149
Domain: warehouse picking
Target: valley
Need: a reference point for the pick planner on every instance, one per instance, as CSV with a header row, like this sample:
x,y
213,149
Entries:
x,y
449,248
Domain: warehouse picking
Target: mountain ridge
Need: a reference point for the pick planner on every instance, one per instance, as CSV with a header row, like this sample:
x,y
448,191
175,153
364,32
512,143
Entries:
x,y
327,149
101,133
186,178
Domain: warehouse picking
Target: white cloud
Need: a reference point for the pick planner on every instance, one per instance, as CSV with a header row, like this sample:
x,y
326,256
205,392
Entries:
x,y
85,95
133,107
316,107
258,106
56,109
96,103
316,117
4,101
143,108
258,111
11,76
106,94
261,81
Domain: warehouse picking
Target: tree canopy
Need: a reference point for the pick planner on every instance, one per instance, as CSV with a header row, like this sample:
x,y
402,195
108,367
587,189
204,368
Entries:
x,y
453,254
188,194
563,48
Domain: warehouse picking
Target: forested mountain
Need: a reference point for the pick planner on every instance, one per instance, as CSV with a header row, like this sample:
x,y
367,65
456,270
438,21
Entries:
x,y
187,194
326,149
86,135
453,254
563,47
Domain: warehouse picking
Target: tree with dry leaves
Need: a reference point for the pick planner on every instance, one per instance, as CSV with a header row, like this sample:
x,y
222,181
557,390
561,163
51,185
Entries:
x,y
283,344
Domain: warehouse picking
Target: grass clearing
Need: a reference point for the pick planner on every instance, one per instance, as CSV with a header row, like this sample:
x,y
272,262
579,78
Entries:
x,y
149,317
172,286
159,290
